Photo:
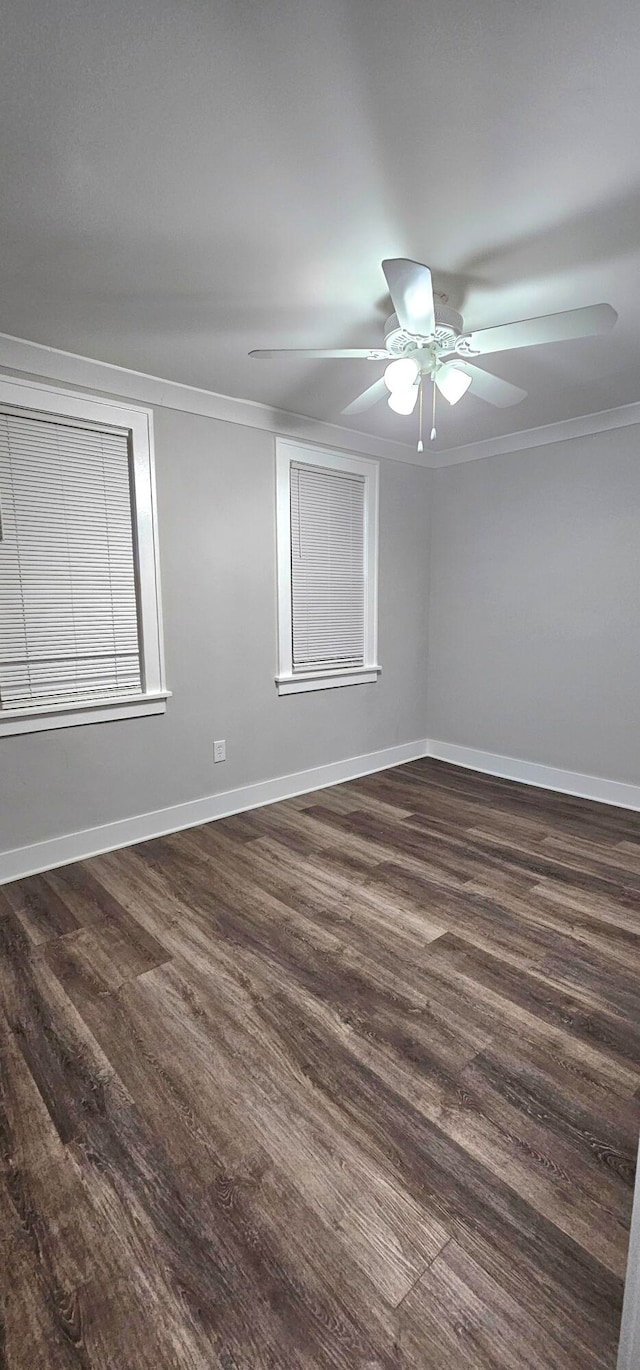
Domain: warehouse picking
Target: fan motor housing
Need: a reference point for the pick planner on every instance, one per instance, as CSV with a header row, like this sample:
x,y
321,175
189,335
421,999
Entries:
x,y
449,326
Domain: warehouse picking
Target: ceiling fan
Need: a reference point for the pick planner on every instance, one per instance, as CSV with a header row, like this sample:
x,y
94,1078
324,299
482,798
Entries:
x,y
424,339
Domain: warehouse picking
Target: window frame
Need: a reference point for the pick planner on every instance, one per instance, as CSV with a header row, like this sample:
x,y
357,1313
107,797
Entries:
x,y
289,681
137,423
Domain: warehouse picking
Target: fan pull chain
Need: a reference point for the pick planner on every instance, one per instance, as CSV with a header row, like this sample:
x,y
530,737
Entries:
x,y
433,414
421,386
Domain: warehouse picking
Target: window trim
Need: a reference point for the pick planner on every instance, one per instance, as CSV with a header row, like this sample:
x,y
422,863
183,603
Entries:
x,y
137,422
289,681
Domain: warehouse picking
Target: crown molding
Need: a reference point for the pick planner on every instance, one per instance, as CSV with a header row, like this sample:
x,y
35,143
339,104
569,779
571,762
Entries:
x,y
69,368
561,431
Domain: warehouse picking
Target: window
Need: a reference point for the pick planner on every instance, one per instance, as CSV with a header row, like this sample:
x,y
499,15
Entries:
x,y
327,516
80,632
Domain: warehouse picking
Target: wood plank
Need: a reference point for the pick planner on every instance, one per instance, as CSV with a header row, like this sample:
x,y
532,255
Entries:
x,y
489,1219
527,992
460,1318
129,945
40,910
69,1070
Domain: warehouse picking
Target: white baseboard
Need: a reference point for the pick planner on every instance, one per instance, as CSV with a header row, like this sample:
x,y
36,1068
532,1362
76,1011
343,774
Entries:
x,y
78,846
544,777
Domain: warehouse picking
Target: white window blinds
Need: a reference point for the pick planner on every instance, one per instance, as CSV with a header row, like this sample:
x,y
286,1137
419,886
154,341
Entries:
x,y
68,603
327,567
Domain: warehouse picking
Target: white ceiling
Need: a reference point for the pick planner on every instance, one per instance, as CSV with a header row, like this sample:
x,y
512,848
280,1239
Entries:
x,y
185,181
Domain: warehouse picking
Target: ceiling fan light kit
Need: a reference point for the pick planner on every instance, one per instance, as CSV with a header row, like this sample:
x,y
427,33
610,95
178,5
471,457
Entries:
x,y
425,340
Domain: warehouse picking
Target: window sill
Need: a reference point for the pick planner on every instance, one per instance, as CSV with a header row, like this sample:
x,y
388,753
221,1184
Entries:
x,y
326,680
83,711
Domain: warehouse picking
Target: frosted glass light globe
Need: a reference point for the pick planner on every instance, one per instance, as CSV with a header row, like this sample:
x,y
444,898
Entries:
x,y
452,383
403,401
401,374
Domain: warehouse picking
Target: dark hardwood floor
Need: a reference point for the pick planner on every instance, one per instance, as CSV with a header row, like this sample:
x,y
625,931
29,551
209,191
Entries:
x,y
351,1081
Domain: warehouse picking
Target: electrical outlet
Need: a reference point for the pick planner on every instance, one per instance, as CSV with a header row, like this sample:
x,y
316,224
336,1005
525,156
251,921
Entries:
x,y
220,750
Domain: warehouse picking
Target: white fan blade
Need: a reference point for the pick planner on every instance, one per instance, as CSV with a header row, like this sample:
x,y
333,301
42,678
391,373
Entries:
x,y
376,392
371,354
411,291
492,388
573,323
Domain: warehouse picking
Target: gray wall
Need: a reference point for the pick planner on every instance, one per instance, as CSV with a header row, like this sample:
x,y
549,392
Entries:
x,y
534,630
216,497
534,637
